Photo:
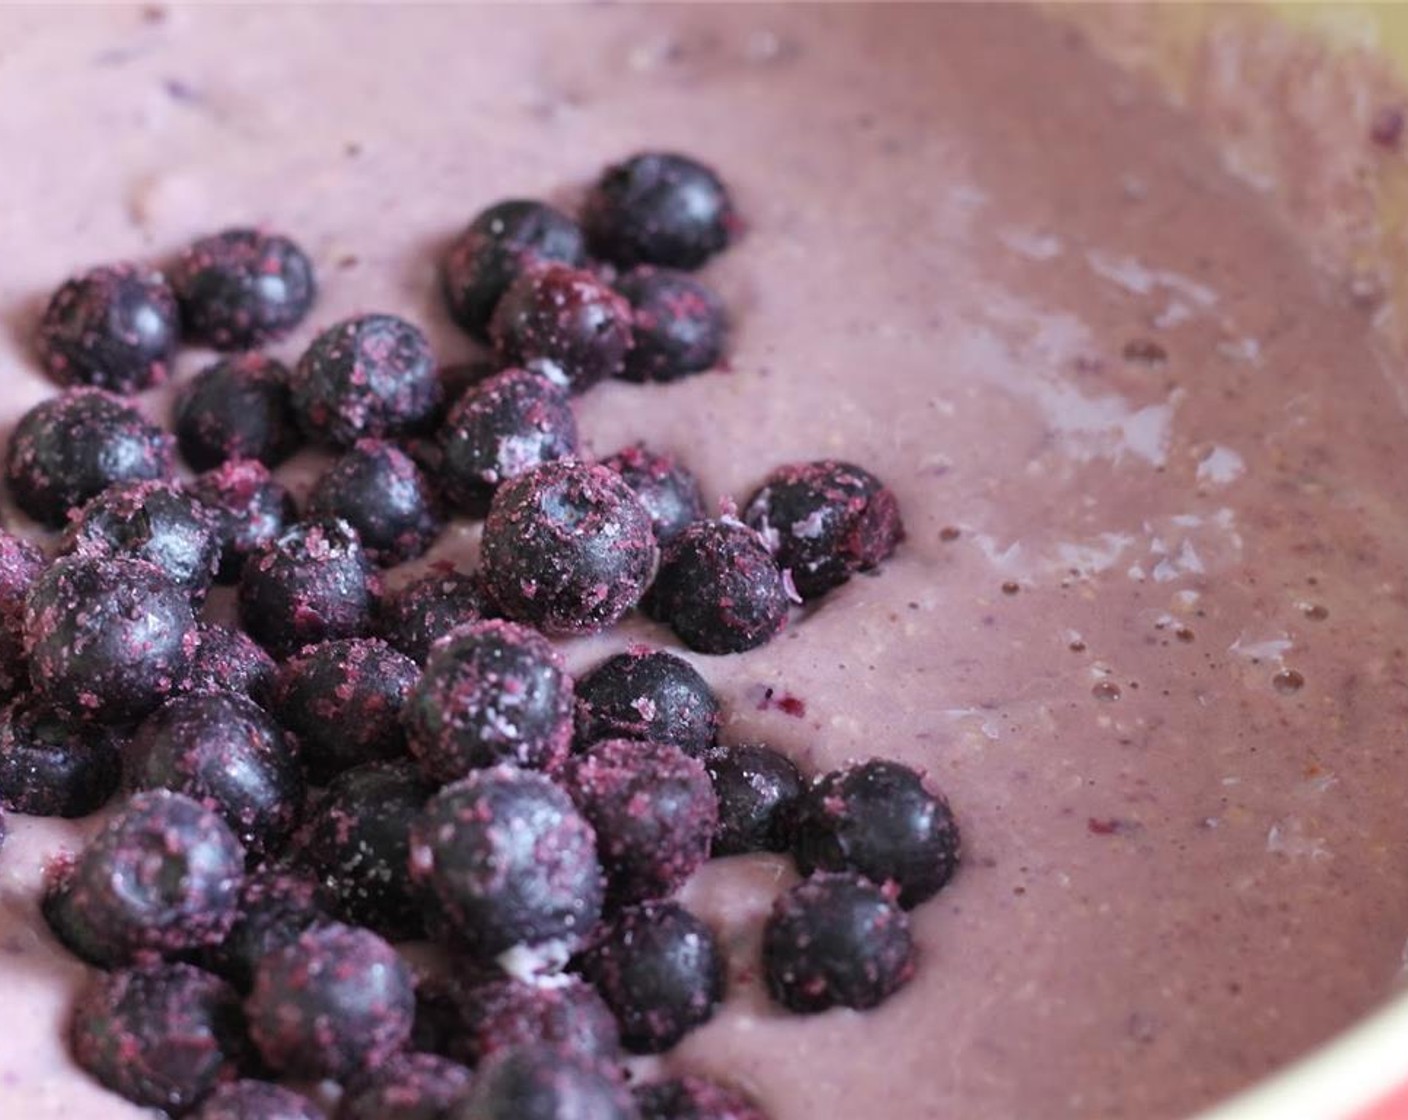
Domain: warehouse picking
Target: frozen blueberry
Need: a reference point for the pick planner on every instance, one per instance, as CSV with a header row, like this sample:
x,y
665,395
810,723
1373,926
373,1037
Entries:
x,y
653,809
564,323
498,429
250,509
53,767
238,408
21,564
660,969
108,639
647,694
694,1098
877,818
666,488
539,1081
243,288
491,692
115,327
343,701
659,208
719,589
161,1036
567,547
567,1012
230,660
256,1100
71,447
825,521
488,256
358,843
407,1087
225,751
154,521
335,1003
415,616
378,489
836,940
679,325
163,876
510,861
312,584
276,906
758,789
373,375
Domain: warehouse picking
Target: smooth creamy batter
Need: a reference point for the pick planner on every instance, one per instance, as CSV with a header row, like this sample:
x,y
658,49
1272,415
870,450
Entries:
x,y
1160,669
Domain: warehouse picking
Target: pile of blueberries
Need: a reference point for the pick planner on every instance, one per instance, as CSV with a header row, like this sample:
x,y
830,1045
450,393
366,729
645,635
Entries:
x,y
354,767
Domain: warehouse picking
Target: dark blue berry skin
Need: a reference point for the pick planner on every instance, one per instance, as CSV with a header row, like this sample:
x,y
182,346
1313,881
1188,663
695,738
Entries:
x,y
491,692
21,564
540,1081
115,327
563,323
335,1003
237,408
758,789
225,751
498,429
312,584
256,1100
679,324
659,208
666,488
660,969
162,1036
373,375
567,548
415,616
358,843
877,818
502,1013
108,640
407,1087
250,509
378,489
72,447
162,877
229,660
647,694
719,589
825,521
836,940
489,255
243,288
694,1098
276,906
54,767
509,860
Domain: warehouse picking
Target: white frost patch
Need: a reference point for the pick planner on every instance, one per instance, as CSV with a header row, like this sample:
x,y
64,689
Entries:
x,y
1175,311
1140,280
1095,556
986,724
1032,245
1262,649
1240,350
1104,426
1288,838
535,964
997,555
1171,565
1221,465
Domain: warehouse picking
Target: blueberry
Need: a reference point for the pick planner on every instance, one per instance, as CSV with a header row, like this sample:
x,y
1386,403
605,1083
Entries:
x,y
343,701
225,751
877,818
243,288
312,584
567,1012
161,1036
414,617
719,589
358,844
115,327
108,639
694,1098
666,488
647,694
825,521
335,1003
21,564
498,429
758,789
510,861
237,408
659,208
836,940
679,325
407,1087
52,767
154,521
230,660
250,509
373,375
564,323
539,1081
488,256
71,447
491,692
660,969
378,489
567,547
256,1100
276,906
163,876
